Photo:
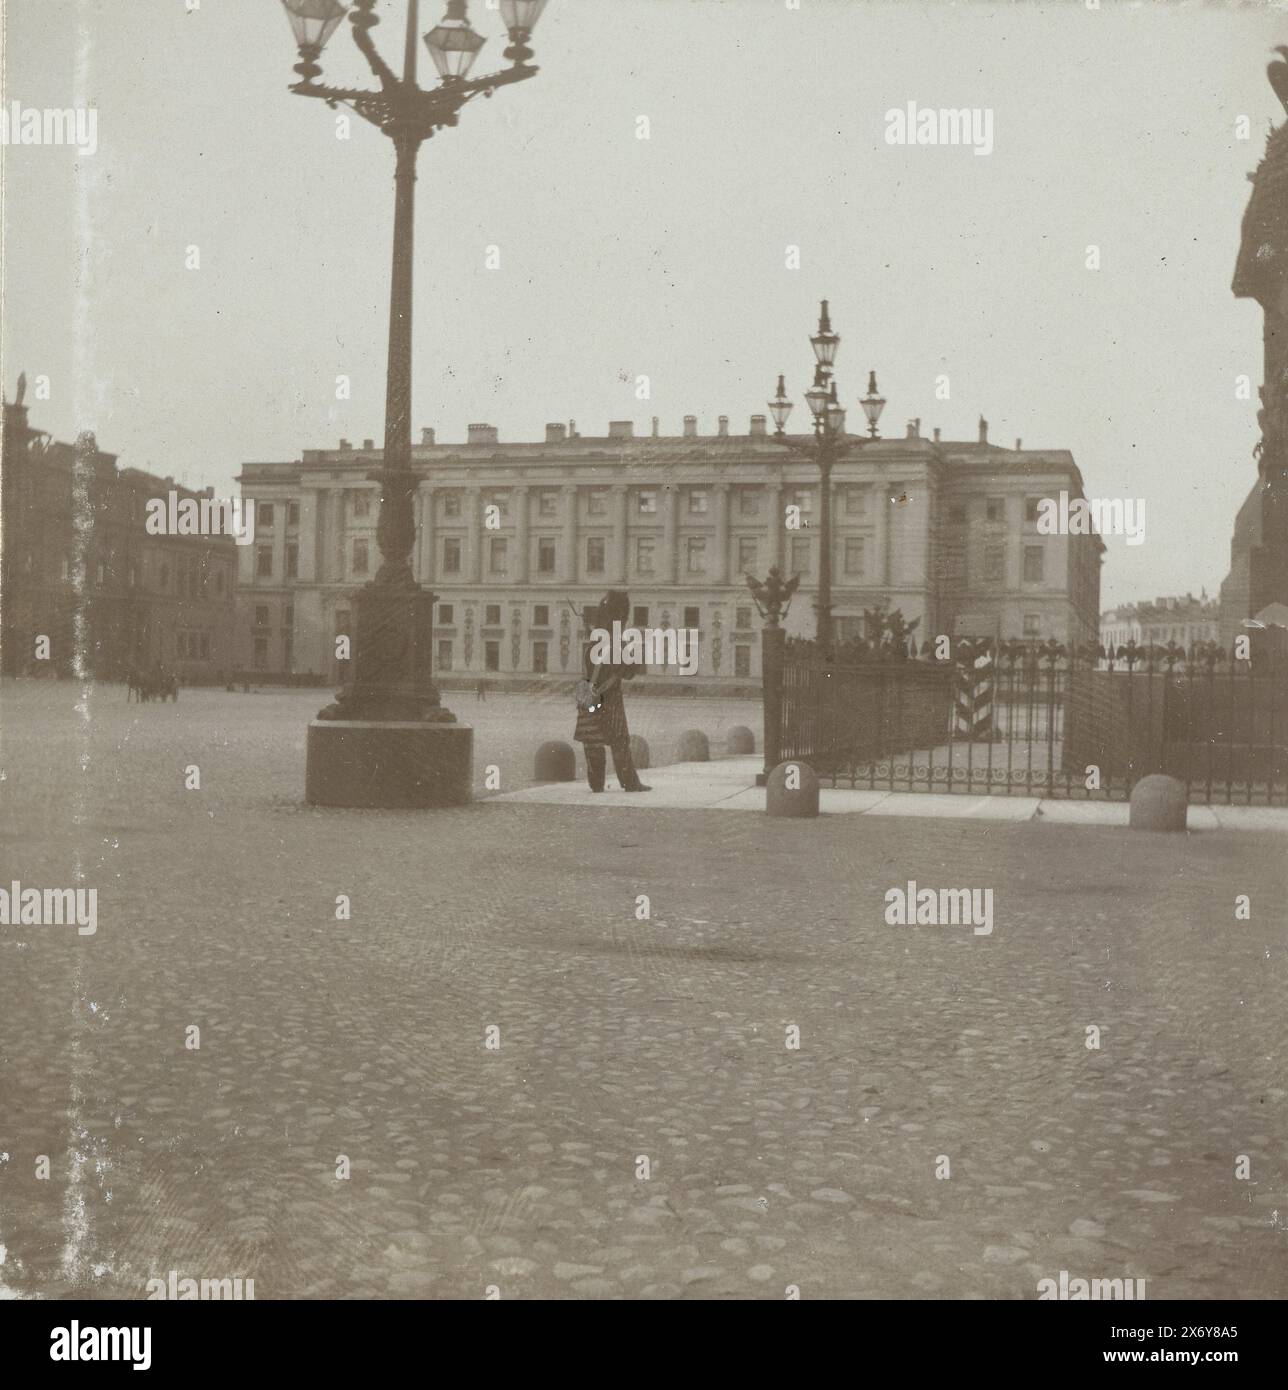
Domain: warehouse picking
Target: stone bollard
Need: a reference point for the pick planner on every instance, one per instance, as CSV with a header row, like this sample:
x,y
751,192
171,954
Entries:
x,y
740,739
1158,802
693,747
555,762
639,752
792,790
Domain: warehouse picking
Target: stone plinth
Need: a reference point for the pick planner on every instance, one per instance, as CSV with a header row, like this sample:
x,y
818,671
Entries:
x,y
693,747
394,765
555,762
791,789
1158,802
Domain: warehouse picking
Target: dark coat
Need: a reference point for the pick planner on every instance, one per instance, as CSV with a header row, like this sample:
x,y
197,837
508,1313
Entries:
x,y
606,725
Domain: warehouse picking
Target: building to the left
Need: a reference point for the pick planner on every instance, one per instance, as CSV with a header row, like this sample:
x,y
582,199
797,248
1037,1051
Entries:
x,y
80,569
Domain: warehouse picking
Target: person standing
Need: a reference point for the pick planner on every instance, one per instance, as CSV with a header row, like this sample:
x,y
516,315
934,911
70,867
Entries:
x,y
601,710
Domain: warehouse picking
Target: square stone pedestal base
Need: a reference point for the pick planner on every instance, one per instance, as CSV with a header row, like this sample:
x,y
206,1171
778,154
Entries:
x,y
396,766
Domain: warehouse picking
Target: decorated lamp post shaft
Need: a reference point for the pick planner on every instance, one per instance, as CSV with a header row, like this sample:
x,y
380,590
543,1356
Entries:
x,y
829,444
392,657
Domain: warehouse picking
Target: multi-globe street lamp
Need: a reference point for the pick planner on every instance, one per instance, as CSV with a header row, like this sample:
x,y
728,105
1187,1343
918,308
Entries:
x,y
392,658
830,443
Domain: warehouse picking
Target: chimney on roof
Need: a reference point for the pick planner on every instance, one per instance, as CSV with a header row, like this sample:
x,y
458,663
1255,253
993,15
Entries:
x,y
936,434
758,425
481,434
655,427
983,430
722,425
556,433
621,429
368,444
426,436
690,426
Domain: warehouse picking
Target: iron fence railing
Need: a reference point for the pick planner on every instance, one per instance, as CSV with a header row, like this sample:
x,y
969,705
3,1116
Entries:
x,y
1038,719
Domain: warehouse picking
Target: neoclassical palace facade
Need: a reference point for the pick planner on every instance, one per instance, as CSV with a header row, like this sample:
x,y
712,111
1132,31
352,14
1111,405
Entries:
x,y
516,538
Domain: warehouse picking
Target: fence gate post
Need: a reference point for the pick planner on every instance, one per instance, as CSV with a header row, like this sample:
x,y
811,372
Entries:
x,y
772,640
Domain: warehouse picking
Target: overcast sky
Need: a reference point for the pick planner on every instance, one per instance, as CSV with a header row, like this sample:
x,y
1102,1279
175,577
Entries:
x,y
663,257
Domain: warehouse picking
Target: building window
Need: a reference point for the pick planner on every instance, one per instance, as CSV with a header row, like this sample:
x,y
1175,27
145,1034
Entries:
x,y
547,503
742,618
1031,505
748,549
854,554
1032,564
361,504
496,555
446,616
647,502
360,557
451,505
693,617
800,555
645,548
597,502
741,659
545,555
697,501
639,617
264,514
540,657
1032,625
444,661
697,554
292,513
263,563
854,501
748,501
451,556
994,564
491,656
995,509
292,562
492,615
595,555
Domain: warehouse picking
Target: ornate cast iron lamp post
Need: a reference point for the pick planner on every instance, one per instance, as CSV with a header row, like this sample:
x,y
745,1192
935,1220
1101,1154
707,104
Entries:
x,y
392,681
830,443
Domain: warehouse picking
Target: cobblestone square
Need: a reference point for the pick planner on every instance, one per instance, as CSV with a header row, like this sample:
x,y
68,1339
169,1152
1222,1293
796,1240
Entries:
x,y
943,1129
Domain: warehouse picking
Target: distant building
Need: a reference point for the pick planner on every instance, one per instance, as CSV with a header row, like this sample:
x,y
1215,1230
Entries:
x,y
80,569
1183,620
946,532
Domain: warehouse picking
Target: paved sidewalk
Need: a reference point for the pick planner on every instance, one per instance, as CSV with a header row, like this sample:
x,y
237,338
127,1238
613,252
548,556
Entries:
x,y
729,784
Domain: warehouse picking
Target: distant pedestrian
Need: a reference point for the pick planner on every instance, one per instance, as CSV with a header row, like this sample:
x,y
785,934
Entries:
x,y
601,711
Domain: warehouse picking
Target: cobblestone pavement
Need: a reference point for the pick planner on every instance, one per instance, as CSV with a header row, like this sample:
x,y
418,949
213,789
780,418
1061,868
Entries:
x,y
620,1039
